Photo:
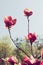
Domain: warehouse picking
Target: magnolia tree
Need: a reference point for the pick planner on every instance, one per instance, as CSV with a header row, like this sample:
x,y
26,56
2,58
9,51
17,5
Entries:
x,y
31,37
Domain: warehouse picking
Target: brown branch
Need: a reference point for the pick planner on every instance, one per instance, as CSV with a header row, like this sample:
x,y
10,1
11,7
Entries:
x,y
16,44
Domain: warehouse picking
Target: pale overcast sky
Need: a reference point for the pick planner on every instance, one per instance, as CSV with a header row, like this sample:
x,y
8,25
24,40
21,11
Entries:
x,y
15,8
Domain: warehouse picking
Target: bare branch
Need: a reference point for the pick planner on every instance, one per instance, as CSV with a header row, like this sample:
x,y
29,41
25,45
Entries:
x,y
16,44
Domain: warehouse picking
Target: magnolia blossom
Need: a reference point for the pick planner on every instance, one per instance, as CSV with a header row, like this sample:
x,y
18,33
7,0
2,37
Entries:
x,y
9,21
12,60
31,37
26,61
27,12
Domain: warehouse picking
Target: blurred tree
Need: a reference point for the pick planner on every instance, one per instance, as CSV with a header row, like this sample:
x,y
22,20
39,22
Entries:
x,y
6,47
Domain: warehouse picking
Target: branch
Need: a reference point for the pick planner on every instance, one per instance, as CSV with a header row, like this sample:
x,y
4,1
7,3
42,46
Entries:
x,y
16,44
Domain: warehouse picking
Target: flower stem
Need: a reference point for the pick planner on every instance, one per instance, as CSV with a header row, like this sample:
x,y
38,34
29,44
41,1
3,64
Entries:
x,y
16,44
28,24
32,50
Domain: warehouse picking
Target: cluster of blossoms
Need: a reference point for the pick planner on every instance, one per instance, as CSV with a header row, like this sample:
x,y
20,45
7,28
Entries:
x,y
31,61
25,61
9,22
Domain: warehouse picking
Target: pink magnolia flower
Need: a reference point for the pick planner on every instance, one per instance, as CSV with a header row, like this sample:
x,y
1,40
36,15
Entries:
x,y
12,60
26,61
32,37
9,21
27,12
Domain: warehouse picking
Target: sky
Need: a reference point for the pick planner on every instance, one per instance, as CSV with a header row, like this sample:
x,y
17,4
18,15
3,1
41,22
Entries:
x,y
15,9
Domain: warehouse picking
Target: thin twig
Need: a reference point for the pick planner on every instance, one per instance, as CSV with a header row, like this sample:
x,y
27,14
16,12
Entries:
x,y
28,24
